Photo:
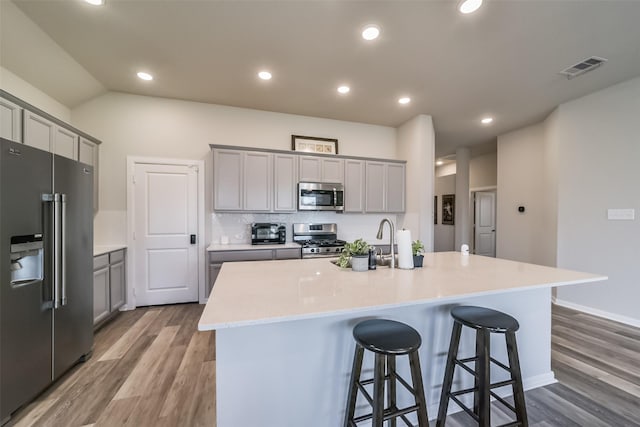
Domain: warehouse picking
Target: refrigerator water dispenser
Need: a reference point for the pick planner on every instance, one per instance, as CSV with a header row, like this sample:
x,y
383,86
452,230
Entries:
x,y
27,260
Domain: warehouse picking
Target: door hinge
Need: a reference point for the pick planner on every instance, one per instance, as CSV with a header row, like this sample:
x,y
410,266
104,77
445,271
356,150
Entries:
x,y
133,179
134,235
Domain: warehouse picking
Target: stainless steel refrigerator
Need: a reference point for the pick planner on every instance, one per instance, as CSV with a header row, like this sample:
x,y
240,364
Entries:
x,y
46,261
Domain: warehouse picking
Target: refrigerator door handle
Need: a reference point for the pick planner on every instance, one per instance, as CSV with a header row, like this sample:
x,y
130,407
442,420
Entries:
x,y
63,248
56,250
54,218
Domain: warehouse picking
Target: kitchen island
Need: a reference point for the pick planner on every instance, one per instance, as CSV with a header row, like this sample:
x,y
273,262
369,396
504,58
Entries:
x,y
284,345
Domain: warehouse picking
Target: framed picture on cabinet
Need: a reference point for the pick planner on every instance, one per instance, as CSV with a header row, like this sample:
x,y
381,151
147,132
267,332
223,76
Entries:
x,y
313,144
448,209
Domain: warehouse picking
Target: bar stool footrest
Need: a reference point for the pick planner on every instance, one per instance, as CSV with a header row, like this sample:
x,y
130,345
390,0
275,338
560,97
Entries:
x,y
390,413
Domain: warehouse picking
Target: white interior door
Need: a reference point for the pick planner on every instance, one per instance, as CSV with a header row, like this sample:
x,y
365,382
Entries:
x,y
485,223
166,259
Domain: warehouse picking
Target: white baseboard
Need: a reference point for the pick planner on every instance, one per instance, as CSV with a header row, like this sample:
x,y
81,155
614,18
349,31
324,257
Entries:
x,y
599,313
539,381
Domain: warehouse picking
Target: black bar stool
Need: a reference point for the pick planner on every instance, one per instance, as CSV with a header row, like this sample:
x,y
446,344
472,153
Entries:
x,y
387,339
485,321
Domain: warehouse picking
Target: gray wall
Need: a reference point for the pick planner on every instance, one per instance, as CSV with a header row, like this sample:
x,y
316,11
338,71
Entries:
x,y
599,155
444,234
582,160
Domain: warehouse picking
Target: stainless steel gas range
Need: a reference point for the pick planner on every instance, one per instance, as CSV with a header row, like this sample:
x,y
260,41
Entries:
x,y
318,240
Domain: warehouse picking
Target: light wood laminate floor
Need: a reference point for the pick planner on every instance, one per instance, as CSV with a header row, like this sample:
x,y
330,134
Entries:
x,y
151,367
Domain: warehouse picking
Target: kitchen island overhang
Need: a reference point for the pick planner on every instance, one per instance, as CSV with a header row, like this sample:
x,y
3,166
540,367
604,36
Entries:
x,y
283,328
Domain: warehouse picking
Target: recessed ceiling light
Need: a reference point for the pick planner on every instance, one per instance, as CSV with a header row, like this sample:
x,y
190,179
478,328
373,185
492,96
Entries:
x,y
439,163
404,100
95,2
486,120
264,75
145,76
469,6
370,32
344,89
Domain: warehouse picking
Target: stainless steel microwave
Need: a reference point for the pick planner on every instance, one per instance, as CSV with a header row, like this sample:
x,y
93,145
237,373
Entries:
x,y
320,196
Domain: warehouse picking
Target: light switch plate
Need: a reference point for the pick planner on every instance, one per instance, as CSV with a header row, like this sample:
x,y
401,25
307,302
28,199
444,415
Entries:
x,y
621,214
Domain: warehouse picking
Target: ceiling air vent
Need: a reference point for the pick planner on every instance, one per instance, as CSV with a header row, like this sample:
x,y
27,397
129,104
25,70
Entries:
x,y
582,67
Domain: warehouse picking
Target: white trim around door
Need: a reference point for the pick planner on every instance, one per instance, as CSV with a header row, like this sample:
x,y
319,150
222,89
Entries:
x,y
132,263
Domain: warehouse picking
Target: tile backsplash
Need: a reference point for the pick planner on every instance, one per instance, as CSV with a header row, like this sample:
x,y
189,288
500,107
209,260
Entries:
x,y
237,227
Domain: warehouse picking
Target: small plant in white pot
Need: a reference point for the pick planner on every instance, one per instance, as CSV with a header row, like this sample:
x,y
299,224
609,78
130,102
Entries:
x,y
418,253
356,253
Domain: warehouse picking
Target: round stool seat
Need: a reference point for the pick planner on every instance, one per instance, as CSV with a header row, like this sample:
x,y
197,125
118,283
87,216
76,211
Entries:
x,y
485,318
387,336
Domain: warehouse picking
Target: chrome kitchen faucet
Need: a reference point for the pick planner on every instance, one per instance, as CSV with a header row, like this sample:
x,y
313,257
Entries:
x,y
392,262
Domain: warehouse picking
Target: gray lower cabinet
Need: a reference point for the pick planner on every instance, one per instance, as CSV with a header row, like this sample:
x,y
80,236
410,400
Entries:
x,y
217,258
101,308
109,285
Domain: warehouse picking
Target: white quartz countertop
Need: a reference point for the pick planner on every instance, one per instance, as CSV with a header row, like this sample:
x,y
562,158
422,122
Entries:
x,y
250,247
105,249
260,292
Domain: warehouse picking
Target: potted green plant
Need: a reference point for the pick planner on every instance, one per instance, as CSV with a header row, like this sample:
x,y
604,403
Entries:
x,y
418,253
356,253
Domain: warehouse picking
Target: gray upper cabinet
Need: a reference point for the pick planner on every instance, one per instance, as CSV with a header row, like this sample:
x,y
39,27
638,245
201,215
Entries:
x,y
257,181
227,180
10,120
354,185
321,169
44,134
247,180
38,131
65,143
333,170
395,187
285,180
385,187
310,169
375,187
88,154
242,180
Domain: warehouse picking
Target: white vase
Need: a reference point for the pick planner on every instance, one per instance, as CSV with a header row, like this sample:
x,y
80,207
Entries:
x,y
360,262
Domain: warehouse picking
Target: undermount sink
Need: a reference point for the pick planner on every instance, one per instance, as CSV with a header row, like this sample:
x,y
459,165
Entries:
x,y
380,262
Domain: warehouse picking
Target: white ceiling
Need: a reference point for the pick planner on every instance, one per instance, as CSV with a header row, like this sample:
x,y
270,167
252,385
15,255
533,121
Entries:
x,y
502,61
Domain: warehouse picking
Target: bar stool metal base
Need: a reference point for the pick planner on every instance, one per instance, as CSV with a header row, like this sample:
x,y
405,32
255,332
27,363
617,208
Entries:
x,y
387,339
484,321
